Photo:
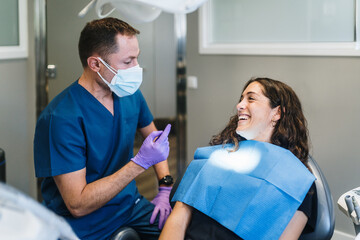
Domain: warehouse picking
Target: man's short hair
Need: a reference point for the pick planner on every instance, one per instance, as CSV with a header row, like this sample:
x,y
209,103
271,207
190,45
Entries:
x,y
98,36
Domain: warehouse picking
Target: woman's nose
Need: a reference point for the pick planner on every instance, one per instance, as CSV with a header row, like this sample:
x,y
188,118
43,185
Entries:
x,y
240,105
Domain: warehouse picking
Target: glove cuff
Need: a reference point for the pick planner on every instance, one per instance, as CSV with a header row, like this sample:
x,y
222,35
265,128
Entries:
x,y
165,189
139,162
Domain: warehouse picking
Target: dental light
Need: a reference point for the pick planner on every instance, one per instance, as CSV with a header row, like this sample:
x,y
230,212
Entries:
x,y
141,10
21,217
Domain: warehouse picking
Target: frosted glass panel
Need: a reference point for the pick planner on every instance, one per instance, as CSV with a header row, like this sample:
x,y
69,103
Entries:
x,y
9,23
268,21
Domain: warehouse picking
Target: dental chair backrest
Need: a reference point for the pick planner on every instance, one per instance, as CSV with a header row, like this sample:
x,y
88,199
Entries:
x,y
325,222
2,166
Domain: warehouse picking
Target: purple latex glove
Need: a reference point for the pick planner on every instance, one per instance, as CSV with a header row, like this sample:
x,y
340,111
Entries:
x,y
154,149
162,206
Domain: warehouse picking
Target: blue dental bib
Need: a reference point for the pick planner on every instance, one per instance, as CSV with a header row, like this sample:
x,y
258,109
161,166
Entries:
x,y
254,191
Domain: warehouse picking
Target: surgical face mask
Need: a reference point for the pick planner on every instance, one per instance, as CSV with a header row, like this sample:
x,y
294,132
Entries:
x,y
125,81
247,135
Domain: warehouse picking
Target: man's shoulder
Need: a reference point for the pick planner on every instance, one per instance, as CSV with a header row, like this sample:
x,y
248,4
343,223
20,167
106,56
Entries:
x,y
64,103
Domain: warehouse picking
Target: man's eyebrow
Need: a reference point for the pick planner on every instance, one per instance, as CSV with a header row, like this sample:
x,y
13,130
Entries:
x,y
134,56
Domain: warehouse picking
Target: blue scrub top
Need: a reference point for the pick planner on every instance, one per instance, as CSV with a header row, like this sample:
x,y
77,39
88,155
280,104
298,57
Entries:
x,y
76,131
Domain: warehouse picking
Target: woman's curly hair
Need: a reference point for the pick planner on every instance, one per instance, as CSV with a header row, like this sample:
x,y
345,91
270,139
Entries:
x,y
290,131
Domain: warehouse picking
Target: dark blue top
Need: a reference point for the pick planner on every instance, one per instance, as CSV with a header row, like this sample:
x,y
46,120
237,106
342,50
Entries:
x,y
76,131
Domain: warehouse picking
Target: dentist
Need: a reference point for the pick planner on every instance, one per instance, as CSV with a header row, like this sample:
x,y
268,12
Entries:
x,y
83,144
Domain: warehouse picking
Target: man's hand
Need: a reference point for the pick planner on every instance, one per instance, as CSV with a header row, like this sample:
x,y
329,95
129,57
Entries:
x,y
162,206
155,149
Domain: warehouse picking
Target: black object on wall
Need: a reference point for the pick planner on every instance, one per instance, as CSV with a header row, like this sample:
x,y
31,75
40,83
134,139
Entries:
x,y
2,166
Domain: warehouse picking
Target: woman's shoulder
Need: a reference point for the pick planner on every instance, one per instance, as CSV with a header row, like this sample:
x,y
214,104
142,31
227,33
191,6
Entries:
x,y
309,208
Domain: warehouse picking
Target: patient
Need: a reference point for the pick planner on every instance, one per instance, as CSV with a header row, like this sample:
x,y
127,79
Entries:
x,y
270,113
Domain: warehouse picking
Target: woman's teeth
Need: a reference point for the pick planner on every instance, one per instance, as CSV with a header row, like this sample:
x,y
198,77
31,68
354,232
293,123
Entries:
x,y
243,117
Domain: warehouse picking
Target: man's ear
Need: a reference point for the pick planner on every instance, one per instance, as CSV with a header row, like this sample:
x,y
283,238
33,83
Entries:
x,y
93,63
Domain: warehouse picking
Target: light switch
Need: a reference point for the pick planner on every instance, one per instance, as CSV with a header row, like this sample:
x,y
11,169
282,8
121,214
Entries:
x,y
192,82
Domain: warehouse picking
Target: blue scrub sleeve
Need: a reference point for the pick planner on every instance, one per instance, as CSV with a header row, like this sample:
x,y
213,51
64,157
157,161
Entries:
x,y
66,149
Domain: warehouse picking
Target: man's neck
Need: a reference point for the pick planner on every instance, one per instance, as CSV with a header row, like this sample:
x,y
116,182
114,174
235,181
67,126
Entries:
x,y
103,95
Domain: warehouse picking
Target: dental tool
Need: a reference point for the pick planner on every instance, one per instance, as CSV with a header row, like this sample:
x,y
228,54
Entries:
x,y
349,204
356,207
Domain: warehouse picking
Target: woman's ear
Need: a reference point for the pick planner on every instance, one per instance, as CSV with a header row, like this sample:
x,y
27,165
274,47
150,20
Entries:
x,y
94,63
277,114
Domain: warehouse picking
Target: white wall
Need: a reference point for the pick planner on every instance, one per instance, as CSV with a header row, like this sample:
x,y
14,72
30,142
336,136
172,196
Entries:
x,y
17,116
329,90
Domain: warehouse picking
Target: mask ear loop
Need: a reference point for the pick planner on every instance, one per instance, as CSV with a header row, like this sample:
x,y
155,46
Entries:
x,y
108,66
103,79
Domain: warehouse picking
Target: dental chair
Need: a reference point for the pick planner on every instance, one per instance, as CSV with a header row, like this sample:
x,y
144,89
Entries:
x,y
22,217
2,166
325,222
125,233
